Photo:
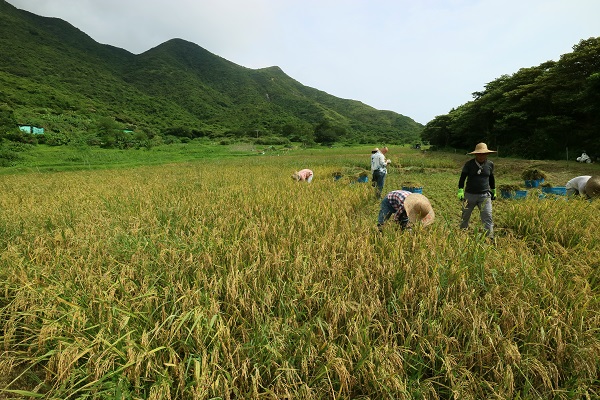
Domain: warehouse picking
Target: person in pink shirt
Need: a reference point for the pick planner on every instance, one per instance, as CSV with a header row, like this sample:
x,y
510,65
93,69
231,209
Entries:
x,y
305,175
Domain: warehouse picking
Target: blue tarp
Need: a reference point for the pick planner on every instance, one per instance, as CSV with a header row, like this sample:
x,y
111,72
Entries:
x,y
32,129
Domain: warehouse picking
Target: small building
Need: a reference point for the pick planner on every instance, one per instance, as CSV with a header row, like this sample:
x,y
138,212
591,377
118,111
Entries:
x,y
35,130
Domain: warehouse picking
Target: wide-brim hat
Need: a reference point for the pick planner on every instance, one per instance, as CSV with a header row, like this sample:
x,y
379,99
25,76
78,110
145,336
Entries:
x,y
481,148
418,208
375,150
592,187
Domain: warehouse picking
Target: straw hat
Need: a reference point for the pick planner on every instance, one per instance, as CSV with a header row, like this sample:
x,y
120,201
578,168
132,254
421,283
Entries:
x,y
375,150
592,187
418,207
481,148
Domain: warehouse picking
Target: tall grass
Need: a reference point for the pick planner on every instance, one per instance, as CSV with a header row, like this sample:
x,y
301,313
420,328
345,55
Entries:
x,y
226,279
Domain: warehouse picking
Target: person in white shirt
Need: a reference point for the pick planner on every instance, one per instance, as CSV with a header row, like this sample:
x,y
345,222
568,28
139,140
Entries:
x,y
379,169
577,185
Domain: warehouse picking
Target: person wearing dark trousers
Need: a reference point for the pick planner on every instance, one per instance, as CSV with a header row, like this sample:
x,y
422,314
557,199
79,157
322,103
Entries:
x,y
480,188
379,169
407,209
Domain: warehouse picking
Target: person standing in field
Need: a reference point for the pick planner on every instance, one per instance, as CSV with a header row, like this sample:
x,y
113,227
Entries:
x,y
379,169
407,209
304,175
480,188
577,185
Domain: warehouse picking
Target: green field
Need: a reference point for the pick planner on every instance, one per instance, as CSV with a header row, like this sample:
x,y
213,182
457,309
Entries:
x,y
200,272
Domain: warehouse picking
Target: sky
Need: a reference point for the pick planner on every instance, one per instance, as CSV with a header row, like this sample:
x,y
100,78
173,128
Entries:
x,y
419,58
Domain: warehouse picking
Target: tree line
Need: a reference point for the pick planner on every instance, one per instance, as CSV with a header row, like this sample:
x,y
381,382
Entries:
x,y
541,112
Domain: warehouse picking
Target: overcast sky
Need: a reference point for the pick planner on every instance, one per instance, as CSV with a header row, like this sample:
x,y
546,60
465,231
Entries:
x,y
420,58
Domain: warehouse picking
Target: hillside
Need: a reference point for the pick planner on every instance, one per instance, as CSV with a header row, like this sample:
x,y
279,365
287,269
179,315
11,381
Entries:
x,y
546,111
55,76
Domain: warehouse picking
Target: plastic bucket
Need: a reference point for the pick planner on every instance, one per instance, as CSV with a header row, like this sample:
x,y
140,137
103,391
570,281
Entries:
x,y
520,194
533,183
513,194
362,179
413,189
557,190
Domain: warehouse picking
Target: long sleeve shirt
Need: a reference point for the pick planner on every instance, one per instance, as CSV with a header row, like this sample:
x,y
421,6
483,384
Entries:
x,y
578,183
378,162
396,199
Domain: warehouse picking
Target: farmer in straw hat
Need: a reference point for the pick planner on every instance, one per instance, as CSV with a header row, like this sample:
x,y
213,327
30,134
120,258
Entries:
x,y
407,208
305,175
592,187
480,188
577,185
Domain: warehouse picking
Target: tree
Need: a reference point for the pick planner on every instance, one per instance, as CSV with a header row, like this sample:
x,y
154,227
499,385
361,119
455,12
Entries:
x,y
537,111
327,133
7,120
437,131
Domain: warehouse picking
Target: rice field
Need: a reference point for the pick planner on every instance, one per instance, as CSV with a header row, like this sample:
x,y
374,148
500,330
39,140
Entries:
x,y
225,279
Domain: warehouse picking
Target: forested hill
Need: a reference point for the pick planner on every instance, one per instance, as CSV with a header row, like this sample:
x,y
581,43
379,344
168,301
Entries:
x,y
541,112
55,76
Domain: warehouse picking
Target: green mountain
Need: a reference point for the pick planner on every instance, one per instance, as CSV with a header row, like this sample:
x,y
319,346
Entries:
x,y
55,76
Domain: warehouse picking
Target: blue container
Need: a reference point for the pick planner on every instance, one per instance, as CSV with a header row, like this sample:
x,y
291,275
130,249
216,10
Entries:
x,y
413,189
520,194
558,190
362,179
533,183
337,177
513,194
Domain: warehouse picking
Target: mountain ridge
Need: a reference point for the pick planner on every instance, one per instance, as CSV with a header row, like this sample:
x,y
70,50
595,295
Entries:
x,y
51,68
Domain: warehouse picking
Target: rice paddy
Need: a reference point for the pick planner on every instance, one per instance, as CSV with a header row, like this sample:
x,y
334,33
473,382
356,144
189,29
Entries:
x,y
225,279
